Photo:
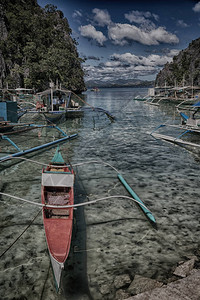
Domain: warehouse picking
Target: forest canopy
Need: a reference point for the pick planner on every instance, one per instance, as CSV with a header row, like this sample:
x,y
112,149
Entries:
x,y
36,47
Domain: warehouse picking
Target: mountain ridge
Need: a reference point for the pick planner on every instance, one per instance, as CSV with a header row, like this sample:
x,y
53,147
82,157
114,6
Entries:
x,y
119,83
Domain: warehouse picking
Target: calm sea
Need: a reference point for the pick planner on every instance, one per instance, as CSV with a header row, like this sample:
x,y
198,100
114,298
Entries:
x,y
112,237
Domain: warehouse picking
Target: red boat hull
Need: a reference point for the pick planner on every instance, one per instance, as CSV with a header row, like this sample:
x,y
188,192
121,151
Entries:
x,y
58,235
57,190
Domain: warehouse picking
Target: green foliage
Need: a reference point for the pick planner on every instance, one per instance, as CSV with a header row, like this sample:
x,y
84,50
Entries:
x,y
185,68
39,47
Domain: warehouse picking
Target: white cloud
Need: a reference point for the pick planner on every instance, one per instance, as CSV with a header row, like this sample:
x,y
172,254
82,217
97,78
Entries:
x,y
127,58
173,52
76,14
196,8
182,24
90,32
129,66
119,72
101,17
140,17
112,63
151,60
120,34
160,35
157,60
136,17
145,70
156,17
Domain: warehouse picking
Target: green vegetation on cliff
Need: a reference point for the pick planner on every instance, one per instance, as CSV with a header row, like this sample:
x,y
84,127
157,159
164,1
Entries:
x,y
36,47
185,68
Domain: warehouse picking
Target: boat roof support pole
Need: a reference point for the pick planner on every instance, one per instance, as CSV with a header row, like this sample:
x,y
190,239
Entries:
x,y
179,136
51,95
68,100
162,125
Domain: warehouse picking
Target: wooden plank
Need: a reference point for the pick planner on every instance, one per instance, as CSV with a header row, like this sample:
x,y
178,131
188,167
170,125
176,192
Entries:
x,y
4,122
6,126
19,130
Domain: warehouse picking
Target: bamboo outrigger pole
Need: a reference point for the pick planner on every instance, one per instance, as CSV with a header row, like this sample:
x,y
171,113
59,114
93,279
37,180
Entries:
x,y
139,201
20,153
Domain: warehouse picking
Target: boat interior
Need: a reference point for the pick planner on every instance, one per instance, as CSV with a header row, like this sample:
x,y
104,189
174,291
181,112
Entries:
x,y
57,196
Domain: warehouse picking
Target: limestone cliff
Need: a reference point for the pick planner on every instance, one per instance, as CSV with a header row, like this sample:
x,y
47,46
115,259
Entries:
x,y
3,37
185,68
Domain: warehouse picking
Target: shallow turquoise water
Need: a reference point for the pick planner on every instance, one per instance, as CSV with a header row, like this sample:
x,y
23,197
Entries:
x,y
112,237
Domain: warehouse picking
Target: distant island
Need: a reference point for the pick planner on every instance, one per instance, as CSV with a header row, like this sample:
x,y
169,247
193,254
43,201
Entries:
x,y
119,83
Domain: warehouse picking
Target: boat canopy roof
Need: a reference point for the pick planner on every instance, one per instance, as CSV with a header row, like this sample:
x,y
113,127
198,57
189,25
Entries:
x,y
58,179
23,89
48,92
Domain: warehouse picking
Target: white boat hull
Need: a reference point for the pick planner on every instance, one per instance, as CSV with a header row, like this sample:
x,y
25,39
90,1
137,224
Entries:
x,y
57,270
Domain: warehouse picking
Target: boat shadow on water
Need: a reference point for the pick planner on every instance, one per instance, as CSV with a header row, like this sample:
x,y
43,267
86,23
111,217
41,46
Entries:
x,y
74,279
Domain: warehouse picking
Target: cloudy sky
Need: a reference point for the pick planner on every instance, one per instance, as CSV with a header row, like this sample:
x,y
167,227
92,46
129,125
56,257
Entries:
x,y
126,39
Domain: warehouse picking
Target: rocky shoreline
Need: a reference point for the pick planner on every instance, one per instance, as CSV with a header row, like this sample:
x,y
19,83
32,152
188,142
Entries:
x,y
183,283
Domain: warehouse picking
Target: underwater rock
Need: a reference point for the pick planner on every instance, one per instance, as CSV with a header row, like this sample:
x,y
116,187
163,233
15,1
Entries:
x,y
142,284
121,281
121,294
184,288
184,269
105,289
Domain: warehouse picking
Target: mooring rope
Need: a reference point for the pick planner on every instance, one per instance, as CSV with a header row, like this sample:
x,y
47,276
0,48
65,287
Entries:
x,y
98,162
21,233
74,205
31,160
74,165
94,108
83,100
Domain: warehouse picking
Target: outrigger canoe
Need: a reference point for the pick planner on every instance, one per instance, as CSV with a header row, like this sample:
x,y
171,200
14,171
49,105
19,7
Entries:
x,y
58,190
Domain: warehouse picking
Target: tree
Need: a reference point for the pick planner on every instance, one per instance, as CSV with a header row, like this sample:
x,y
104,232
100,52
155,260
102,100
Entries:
x,y
39,47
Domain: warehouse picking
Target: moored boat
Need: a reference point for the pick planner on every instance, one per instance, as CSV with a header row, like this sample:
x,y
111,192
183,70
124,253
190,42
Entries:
x,y
55,105
57,190
190,123
95,89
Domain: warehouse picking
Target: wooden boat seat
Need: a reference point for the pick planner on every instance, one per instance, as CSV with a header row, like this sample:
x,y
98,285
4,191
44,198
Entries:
x,y
59,212
57,169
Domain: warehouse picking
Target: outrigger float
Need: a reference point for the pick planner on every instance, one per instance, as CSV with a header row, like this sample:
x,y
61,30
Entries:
x,y
26,127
